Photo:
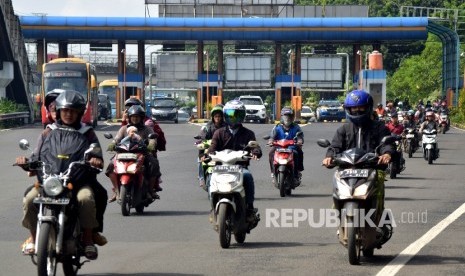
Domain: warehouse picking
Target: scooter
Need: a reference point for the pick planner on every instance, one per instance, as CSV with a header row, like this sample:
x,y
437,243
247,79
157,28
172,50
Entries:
x,y
359,189
129,167
443,120
58,237
207,167
411,143
227,196
430,145
397,165
283,163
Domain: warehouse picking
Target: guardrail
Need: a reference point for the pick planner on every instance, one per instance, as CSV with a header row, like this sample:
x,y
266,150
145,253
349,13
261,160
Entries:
x,y
15,115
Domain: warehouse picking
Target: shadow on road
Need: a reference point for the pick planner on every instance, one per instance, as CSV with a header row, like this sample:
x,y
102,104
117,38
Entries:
x,y
435,259
143,274
173,213
407,199
256,245
293,195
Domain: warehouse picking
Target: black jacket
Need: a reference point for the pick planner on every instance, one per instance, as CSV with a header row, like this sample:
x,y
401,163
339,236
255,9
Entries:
x,y
368,138
224,139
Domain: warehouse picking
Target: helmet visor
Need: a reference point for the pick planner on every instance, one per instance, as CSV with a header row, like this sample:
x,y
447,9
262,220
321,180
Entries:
x,y
234,116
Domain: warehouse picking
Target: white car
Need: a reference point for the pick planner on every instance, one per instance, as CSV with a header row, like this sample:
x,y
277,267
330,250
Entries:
x,y
255,109
307,113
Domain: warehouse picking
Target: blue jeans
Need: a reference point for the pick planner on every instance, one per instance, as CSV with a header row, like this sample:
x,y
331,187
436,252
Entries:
x,y
249,187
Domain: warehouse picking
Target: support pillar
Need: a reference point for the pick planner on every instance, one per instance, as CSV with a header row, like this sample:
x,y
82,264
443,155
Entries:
x,y
220,70
141,68
62,50
41,54
6,76
120,92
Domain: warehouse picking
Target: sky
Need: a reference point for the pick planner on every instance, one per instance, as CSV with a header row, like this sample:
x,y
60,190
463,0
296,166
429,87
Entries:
x,y
99,8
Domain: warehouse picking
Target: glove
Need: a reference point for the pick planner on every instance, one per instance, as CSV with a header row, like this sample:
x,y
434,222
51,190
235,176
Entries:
x,y
151,147
111,146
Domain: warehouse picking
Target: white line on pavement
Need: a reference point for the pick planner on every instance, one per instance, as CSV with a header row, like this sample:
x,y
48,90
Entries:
x,y
398,262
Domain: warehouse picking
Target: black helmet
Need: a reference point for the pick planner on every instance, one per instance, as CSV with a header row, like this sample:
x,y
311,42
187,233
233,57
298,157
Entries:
x,y
132,101
71,99
234,113
136,110
51,97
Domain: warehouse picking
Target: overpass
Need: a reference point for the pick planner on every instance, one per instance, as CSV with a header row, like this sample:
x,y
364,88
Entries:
x,y
275,31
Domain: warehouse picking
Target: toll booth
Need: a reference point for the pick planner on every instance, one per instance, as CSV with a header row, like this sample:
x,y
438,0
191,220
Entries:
x,y
373,80
287,92
209,92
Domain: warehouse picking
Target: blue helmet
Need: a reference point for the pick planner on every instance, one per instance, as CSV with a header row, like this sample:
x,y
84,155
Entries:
x,y
358,98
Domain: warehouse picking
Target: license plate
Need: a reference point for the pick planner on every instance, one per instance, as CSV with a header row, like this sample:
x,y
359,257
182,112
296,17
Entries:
x,y
51,201
410,136
353,173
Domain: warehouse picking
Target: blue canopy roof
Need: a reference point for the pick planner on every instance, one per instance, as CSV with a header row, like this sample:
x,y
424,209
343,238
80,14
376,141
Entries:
x,y
112,29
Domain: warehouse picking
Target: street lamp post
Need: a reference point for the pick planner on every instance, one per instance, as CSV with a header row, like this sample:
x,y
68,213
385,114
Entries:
x,y
359,53
291,53
208,86
347,69
124,74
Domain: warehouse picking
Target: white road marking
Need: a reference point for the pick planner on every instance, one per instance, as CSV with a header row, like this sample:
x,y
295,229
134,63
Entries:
x,y
408,253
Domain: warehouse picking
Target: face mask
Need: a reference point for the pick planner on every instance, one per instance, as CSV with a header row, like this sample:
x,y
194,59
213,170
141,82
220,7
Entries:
x,y
287,121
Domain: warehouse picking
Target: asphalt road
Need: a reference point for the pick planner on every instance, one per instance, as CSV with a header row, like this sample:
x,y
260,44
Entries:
x,y
174,236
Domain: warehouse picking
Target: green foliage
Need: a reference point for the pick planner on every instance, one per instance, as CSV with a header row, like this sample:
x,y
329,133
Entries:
x,y
418,76
8,106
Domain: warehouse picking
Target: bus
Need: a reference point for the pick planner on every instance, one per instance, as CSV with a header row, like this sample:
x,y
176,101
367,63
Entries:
x,y
71,74
110,87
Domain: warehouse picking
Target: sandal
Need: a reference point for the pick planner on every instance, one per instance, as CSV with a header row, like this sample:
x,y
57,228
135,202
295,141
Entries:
x,y
28,247
90,251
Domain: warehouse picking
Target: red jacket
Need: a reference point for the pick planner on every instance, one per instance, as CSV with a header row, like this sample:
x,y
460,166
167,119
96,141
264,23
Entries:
x,y
396,129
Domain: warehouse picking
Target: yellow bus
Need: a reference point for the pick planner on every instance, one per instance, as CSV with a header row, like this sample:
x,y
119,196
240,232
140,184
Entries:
x,y
109,87
71,74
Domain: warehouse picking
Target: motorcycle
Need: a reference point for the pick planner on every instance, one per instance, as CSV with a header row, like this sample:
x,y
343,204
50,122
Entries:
x,y
356,189
397,165
430,145
411,143
129,168
207,167
58,235
443,120
283,163
227,196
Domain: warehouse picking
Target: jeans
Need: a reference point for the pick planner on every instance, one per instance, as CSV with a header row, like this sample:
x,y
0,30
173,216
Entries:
x,y
249,187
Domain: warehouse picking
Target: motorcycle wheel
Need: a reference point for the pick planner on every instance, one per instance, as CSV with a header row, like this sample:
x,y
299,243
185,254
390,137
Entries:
x,y
69,269
353,244
140,208
46,251
392,171
240,237
410,150
125,201
368,252
443,130
429,156
282,184
224,225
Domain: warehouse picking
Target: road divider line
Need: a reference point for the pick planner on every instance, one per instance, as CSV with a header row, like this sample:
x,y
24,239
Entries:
x,y
408,253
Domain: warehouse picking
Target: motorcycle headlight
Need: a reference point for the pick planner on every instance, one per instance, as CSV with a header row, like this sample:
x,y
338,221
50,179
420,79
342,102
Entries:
x,y
53,186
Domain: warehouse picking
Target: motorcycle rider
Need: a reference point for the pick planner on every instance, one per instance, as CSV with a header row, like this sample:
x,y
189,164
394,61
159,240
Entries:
x,y
430,122
396,128
50,105
380,110
136,115
235,136
161,140
90,195
206,133
361,132
287,130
